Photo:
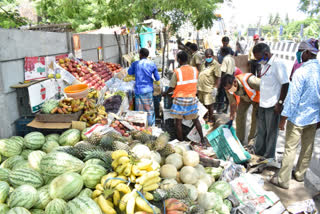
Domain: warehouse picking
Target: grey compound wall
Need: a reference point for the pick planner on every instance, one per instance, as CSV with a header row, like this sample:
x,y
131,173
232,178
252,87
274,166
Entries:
x,y
17,44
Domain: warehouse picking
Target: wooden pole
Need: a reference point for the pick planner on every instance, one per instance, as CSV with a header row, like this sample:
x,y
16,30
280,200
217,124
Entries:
x,y
164,50
120,50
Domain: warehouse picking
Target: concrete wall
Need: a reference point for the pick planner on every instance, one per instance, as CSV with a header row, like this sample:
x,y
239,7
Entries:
x,y
17,44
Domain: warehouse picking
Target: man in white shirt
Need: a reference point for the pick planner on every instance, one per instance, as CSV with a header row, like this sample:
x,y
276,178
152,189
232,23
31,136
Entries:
x,y
273,91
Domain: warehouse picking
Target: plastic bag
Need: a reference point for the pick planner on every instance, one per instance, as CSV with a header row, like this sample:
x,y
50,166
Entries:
x,y
232,171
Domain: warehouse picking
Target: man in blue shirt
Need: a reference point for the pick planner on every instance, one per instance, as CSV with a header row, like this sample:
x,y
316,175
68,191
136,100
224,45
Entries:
x,y
144,70
302,111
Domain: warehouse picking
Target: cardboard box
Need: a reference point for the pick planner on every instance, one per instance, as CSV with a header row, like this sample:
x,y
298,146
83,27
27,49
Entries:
x,y
41,125
139,117
58,118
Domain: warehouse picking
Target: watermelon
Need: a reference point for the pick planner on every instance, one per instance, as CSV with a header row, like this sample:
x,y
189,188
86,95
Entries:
x,y
4,191
9,148
56,206
83,136
34,159
24,196
82,205
44,198
69,137
92,174
25,153
86,193
57,163
4,208
18,139
50,145
94,161
66,186
54,137
37,211
4,174
34,140
47,179
21,165
25,176
19,210
10,162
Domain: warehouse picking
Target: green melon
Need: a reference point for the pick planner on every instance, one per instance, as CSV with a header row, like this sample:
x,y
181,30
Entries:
x,y
50,146
25,176
4,174
10,162
4,191
56,206
24,196
19,210
4,208
18,139
85,193
52,137
83,137
69,137
57,163
94,161
92,175
66,186
47,179
23,164
9,148
44,198
37,211
34,159
82,205
25,153
34,140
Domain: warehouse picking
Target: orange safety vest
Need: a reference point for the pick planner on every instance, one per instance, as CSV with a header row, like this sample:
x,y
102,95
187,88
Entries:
x,y
252,94
187,78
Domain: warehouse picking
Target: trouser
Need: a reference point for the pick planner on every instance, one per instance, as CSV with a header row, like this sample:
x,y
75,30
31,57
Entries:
x,y
255,68
293,135
267,132
221,98
241,120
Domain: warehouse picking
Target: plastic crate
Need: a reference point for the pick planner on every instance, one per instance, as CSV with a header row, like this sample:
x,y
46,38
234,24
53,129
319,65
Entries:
x,y
21,126
222,148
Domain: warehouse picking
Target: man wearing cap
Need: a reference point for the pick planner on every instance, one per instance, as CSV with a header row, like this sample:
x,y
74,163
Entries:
x,y
302,111
255,67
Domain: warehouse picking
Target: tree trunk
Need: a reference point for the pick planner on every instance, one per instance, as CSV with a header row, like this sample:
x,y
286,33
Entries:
x,y
119,45
164,50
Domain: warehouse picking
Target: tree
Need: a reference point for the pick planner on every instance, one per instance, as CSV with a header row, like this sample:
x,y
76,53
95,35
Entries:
x,y
270,19
9,15
311,7
287,20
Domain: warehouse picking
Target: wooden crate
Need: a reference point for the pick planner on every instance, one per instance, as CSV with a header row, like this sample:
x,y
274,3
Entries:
x,y
58,118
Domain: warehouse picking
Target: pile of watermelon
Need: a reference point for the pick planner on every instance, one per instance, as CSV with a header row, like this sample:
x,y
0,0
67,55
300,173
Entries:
x,y
37,178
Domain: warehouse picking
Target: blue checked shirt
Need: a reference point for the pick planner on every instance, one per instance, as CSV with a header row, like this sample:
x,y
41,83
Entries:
x,y
302,104
144,71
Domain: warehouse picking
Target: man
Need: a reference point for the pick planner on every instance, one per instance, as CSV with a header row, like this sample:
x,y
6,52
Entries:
x,y
227,67
196,59
144,70
225,44
302,111
255,67
184,87
209,78
242,91
273,91
241,47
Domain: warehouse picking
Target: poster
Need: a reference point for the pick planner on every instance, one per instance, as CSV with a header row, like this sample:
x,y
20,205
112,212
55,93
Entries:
x,y
34,68
77,46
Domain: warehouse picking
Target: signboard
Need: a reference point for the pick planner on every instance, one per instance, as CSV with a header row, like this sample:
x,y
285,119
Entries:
x,y
34,68
252,31
77,46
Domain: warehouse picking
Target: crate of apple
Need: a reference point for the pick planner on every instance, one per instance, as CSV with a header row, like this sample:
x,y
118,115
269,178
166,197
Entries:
x,y
100,68
120,128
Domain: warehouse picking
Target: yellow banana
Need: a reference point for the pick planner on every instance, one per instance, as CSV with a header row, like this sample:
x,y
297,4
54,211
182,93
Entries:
x,y
110,203
123,188
131,203
115,163
138,187
121,168
115,182
96,200
148,196
132,178
123,202
109,175
105,207
99,187
127,170
116,197
147,176
153,180
143,205
145,164
150,187
96,193
119,153
123,160
135,170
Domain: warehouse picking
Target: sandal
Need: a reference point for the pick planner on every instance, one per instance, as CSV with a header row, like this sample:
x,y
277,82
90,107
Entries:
x,y
275,181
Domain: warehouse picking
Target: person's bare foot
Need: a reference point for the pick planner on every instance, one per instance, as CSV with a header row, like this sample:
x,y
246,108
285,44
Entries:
x,y
204,142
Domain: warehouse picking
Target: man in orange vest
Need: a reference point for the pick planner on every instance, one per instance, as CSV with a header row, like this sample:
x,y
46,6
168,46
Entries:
x,y
242,91
184,87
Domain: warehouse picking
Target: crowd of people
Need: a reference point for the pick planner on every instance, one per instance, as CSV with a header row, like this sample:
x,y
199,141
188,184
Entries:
x,y
277,97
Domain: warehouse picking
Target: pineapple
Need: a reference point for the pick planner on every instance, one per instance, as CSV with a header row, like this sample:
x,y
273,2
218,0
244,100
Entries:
x,y
196,209
178,191
117,145
94,139
106,142
68,149
168,150
82,147
161,141
102,155
150,144
141,136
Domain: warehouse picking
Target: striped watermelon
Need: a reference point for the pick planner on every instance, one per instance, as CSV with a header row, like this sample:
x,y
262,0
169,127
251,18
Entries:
x,y
57,163
56,206
21,165
18,139
47,179
83,136
4,191
10,162
82,205
24,196
34,140
34,159
37,211
9,148
44,198
94,161
4,208
85,193
66,186
69,137
25,153
25,176
4,174
50,145
92,174
19,210
54,137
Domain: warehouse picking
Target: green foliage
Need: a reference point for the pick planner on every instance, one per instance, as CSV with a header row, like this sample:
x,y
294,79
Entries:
x,y
9,16
310,7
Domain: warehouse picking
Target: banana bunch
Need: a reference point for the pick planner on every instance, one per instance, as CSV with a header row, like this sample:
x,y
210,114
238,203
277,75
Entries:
x,y
129,78
94,114
93,93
